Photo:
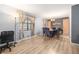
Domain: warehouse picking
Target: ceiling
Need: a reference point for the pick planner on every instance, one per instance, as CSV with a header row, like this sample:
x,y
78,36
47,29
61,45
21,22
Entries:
x,y
46,10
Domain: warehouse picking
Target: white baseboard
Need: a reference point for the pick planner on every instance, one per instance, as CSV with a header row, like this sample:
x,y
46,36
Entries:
x,y
25,38
75,44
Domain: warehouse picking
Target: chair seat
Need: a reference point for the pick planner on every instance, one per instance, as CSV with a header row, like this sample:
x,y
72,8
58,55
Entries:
x,y
1,45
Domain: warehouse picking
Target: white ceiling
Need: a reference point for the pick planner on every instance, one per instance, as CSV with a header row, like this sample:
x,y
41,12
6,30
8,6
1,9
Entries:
x,y
46,10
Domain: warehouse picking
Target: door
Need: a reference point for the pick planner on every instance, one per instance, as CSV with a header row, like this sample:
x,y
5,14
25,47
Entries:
x,y
66,26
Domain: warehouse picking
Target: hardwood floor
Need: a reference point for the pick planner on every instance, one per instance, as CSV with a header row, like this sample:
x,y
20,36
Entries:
x,y
44,45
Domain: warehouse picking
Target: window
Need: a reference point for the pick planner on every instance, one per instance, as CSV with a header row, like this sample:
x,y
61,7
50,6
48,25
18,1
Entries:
x,y
27,24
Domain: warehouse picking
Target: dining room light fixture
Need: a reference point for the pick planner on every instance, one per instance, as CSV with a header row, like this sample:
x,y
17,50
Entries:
x,y
52,19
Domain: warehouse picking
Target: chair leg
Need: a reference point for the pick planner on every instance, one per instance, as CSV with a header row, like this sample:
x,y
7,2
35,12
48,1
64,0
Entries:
x,y
9,49
8,46
0,50
14,44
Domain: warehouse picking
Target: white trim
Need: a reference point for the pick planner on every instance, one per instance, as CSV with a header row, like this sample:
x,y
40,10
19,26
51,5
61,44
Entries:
x,y
75,44
70,24
25,38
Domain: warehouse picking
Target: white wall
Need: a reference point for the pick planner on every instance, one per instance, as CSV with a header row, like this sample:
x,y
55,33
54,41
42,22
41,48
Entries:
x,y
38,25
6,18
6,22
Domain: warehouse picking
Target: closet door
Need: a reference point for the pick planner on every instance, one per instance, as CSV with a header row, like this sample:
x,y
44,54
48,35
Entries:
x,y
66,26
49,24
